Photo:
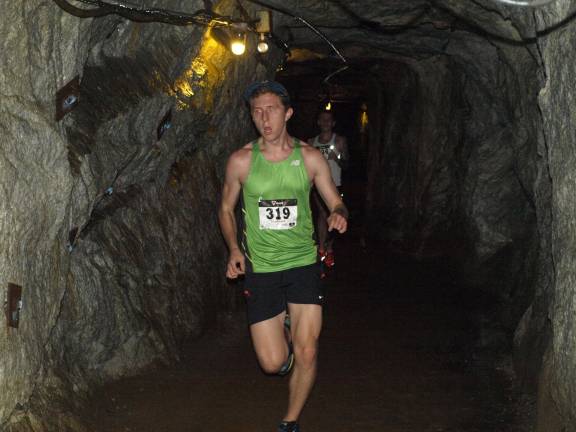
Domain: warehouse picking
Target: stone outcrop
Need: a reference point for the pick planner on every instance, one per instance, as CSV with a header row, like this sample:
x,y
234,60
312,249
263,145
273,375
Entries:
x,y
555,310
109,228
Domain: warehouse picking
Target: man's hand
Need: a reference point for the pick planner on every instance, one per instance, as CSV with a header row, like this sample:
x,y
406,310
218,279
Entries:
x,y
337,221
236,264
333,155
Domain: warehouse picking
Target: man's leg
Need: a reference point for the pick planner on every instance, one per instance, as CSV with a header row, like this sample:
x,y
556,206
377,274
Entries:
x,y
306,323
270,343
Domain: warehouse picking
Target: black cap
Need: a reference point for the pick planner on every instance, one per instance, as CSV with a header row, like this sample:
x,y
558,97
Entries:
x,y
264,87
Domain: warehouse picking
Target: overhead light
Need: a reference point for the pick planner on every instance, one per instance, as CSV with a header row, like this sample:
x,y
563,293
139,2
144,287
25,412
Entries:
x,y
263,26
328,106
262,46
238,43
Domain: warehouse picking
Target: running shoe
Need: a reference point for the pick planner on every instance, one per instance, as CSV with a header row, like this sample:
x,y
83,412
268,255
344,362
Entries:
x,y
323,266
287,367
329,259
288,427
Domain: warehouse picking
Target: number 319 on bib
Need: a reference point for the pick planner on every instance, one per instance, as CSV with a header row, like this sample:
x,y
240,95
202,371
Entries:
x,y
279,214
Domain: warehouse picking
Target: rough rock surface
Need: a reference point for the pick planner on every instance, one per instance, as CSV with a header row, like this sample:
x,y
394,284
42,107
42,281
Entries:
x,y
557,393
138,212
478,180
475,103
453,161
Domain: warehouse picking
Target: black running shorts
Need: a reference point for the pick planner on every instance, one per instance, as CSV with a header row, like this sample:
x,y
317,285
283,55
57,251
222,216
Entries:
x,y
267,294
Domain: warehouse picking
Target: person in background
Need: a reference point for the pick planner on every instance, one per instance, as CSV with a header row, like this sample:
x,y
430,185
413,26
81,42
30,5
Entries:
x,y
335,150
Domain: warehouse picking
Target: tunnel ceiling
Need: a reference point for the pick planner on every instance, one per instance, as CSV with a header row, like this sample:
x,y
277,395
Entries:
x,y
407,29
372,38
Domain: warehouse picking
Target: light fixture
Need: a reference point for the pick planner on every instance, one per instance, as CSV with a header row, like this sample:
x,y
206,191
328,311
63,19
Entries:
x,y
328,106
238,43
263,26
200,17
262,46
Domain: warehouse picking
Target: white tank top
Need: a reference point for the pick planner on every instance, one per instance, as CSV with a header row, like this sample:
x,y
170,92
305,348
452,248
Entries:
x,y
325,149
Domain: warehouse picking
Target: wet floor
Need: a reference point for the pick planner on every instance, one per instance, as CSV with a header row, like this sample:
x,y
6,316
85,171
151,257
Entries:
x,y
397,355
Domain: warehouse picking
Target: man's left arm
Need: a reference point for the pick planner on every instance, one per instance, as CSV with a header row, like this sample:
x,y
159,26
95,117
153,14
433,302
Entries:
x,y
338,218
340,152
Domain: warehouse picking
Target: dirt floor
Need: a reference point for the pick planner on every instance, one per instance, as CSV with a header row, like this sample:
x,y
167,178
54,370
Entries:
x,y
397,355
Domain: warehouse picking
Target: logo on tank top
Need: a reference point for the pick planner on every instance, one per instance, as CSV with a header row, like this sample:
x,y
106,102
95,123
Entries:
x,y
295,162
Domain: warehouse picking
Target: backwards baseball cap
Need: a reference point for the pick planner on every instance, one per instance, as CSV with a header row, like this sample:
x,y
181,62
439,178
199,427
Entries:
x,y
265,87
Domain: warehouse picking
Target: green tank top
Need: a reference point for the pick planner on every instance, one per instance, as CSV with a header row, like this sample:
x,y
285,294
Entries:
x,y
278,222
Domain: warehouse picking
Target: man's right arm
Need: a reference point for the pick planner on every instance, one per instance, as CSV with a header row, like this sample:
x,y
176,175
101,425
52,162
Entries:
x,y
226,216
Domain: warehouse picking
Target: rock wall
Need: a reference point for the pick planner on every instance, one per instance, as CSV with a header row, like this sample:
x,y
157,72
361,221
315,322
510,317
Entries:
x,y
413,197
509,151
109,228
556,311
454,170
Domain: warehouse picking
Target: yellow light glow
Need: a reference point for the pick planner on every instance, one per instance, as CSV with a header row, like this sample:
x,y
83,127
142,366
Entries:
x,y
238,47
363,121
195,86
328,106
238,44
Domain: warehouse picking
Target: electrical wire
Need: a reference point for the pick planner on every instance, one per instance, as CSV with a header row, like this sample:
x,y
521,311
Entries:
x,y
82,13
203,17
136,13
526,3
342,69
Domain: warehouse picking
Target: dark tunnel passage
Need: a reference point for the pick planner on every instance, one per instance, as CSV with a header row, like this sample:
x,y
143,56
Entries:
x,y
451,306
418,160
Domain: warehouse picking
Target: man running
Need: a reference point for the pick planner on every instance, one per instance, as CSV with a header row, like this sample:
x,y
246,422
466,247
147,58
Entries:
x,y
335,150
274,175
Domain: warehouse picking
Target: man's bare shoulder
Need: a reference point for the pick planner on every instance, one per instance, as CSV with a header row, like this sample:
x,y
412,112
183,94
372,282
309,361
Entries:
x,y
239,161
242,155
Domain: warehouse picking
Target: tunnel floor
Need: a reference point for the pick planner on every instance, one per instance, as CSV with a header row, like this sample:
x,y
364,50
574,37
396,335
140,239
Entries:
x,y
398,354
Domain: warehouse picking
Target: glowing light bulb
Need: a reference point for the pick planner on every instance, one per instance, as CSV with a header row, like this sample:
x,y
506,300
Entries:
x,y
332,147
262,46
328,106
238,44
238,48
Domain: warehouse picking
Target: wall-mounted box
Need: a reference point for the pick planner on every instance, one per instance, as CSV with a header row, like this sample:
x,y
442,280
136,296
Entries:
x,y
67,98
13,305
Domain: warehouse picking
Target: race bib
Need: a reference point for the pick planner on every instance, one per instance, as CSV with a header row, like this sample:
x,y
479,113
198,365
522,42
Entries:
x,y
278,214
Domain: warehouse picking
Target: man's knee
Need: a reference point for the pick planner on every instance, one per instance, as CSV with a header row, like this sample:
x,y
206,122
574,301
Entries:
x,y
272,362
306,355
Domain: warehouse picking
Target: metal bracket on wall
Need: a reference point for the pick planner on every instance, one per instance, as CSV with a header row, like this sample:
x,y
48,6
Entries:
x,y
13,305
164,125
67,98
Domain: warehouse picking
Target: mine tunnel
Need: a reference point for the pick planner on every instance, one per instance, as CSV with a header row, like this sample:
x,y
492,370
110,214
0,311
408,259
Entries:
x,y
451,304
